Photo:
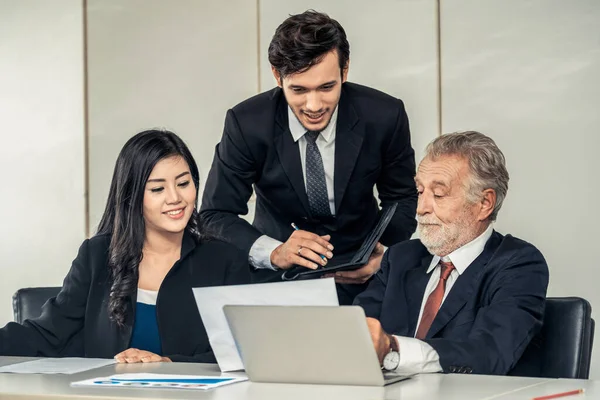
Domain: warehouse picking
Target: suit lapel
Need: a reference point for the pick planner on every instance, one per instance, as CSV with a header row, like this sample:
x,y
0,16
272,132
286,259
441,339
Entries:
x,y
289,153
463,288
416,282
348,141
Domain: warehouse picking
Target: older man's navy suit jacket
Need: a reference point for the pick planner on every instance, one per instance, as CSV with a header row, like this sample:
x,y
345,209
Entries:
x,y
489,316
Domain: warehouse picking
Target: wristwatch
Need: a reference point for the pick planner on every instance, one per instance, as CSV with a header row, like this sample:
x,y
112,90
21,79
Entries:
x,y
392,359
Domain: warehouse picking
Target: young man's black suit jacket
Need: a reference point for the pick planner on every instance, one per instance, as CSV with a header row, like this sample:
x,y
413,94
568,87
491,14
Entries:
x,y
76,322
372,148
489,317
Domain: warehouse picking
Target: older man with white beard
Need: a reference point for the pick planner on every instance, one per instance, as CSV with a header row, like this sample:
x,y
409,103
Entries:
x,y
463,298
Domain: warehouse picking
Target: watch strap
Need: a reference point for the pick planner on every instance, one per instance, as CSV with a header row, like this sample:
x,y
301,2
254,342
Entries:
x,y
393,344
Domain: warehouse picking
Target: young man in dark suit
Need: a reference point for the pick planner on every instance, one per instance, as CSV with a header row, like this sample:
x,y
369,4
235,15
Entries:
x,y
463,298
313,148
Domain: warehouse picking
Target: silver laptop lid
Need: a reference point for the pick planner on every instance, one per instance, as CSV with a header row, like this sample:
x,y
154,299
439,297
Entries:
x,y
305,344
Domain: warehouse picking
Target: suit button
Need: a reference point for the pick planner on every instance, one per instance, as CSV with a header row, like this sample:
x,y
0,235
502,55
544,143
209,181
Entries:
x,y
469,370
452,368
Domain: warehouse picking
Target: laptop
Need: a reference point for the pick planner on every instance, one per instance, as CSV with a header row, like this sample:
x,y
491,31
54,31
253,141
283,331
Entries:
x,y
349,262
306,344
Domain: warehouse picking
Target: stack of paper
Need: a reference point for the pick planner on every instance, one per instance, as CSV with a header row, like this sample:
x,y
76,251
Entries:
x,y
57,365
192,382
210,301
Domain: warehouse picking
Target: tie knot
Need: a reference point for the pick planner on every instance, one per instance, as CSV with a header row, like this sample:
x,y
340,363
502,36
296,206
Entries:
x,y
447,268
312,135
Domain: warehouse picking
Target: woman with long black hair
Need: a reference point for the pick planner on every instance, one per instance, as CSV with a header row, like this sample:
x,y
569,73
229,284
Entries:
x,y
128,294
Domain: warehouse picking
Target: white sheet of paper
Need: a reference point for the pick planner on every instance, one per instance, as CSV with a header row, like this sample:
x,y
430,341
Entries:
x,y
56,365
210,301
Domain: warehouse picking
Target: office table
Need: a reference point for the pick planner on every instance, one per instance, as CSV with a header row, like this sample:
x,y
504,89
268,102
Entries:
x,y
552,386
427,386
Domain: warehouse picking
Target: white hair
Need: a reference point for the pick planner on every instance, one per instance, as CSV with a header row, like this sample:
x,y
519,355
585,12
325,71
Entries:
x,y
486,163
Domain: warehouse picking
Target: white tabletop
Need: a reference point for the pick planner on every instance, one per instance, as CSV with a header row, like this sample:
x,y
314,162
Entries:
x,y
553,386
429,386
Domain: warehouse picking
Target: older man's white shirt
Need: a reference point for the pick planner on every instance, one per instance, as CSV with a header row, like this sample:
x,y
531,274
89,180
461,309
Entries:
x,y
416,356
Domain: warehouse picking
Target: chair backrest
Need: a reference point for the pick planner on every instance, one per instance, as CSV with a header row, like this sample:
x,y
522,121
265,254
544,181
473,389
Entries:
x,y
28,302
563,347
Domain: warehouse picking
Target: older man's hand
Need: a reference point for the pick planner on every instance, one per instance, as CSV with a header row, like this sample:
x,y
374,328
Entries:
x,y
362,274
381,340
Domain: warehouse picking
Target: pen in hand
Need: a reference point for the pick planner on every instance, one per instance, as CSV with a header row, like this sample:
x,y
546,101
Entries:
x,y
296,228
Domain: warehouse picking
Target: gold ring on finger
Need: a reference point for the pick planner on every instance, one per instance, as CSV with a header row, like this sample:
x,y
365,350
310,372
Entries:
x,y
299,249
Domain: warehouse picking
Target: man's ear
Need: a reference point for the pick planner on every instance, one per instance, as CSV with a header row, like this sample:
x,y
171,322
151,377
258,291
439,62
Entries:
x,y
277,76
345,72
488,203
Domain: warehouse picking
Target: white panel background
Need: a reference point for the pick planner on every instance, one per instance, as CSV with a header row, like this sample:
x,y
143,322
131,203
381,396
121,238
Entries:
x,y
527,74
41,110
523,71
177,64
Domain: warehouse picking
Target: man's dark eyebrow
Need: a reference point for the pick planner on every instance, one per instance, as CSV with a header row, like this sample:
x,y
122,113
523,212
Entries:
x,y
164,180
328,83
320,86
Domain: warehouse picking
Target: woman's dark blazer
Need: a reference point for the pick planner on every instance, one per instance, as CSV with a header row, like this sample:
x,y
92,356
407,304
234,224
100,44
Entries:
x,y
76,322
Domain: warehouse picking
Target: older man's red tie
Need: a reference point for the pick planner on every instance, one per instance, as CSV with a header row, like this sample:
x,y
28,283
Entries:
x,y
434,301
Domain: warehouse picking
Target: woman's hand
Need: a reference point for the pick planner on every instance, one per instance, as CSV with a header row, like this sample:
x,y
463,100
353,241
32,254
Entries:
x,y
131,356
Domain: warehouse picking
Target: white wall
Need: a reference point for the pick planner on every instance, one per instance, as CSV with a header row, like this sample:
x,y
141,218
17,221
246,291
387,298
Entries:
x,y
41,109
177,64
524,72
527,74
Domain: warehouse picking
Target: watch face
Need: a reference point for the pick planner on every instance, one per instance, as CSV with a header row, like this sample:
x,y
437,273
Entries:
x,y
391,361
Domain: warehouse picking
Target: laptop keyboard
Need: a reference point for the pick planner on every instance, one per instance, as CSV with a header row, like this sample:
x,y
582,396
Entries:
x,y
389,375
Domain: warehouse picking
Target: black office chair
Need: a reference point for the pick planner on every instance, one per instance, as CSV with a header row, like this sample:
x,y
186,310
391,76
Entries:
x,y
563,348
28,302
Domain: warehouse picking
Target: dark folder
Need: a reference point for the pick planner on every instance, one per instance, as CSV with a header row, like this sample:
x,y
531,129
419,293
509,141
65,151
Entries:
x,y
355,261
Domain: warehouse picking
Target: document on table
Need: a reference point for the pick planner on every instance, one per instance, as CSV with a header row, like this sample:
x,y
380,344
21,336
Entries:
x,y
210,301
57,365
150,381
